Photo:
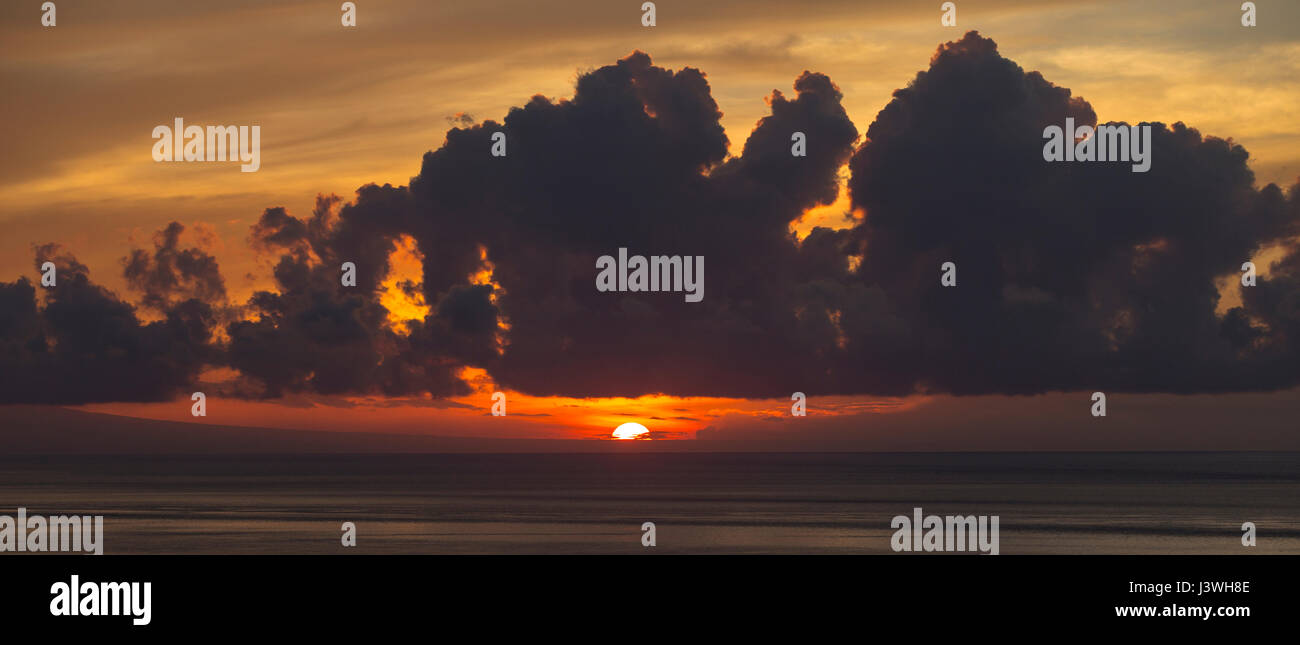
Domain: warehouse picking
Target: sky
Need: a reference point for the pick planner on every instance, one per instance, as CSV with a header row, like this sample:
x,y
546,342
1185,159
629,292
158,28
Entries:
x,y
494,262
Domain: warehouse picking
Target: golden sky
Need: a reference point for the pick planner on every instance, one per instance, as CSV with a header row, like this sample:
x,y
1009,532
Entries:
x,y
340,108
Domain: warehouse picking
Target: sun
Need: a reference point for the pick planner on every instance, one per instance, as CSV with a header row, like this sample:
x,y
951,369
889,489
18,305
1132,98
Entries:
x,y
631,430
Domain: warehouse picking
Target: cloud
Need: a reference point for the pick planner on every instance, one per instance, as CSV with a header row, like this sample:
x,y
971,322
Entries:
x,y
86,345
64,262
314,335
637,159
171,273
1071,276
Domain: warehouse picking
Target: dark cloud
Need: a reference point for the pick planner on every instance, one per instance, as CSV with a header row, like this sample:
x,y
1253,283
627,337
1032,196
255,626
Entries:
x,y
64,262
1071,276
170,273
85,345
461,119
315,335
637,159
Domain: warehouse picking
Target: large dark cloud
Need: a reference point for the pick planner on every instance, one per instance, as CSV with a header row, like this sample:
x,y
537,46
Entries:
x,y
636,159
1071,275
86,345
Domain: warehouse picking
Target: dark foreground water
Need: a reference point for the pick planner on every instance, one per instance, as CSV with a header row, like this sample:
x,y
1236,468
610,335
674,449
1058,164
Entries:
x,y
1138,503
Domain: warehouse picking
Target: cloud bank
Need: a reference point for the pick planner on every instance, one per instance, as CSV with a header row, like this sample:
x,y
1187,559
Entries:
x,y
1070,276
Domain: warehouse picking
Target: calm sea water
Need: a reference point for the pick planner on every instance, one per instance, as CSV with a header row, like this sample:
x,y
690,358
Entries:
x,y
1134,503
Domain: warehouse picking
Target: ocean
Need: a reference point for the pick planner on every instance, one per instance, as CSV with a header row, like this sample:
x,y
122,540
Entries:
x,y
1058,503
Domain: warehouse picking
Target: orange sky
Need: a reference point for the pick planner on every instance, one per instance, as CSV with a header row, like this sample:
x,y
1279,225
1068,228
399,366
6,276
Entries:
x,y
342,108
526,416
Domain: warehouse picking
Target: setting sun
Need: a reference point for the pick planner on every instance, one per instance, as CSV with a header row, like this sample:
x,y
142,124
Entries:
x,y
630,430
